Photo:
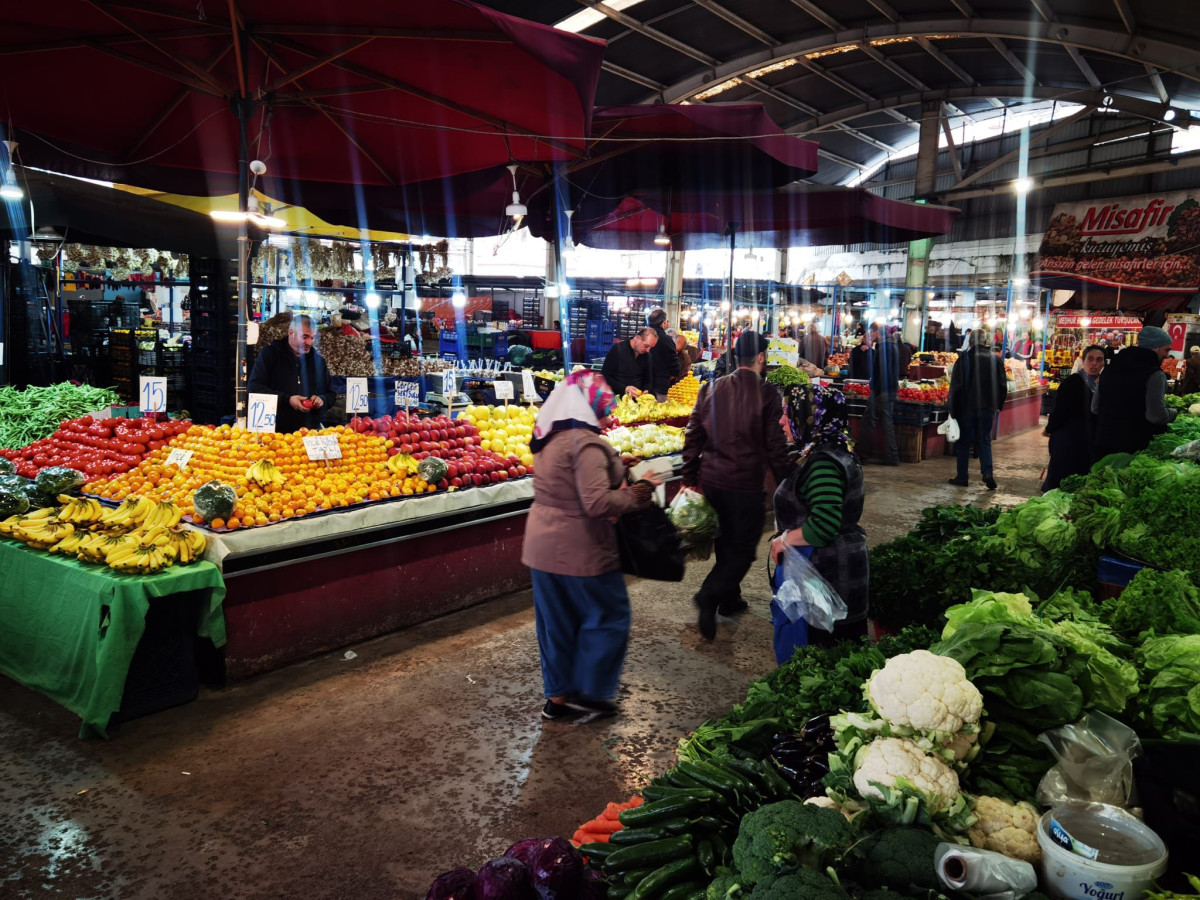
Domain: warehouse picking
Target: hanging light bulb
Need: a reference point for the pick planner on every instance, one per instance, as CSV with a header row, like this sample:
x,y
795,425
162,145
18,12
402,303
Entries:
x,y
661,239
458,299
724,306
372,301
261,219
9,190
516,209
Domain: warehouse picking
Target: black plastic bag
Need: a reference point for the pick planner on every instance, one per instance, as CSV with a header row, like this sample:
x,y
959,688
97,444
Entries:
x,y
649,545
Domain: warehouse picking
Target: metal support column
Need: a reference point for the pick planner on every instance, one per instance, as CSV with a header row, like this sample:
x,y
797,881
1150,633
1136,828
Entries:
x,y
916,273
673,287
243,272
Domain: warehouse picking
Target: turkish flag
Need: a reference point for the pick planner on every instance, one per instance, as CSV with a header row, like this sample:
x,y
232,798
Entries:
x,y
1178,333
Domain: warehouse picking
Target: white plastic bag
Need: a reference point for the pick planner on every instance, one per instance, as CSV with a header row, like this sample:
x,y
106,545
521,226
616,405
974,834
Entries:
x,y
950,429
985,874
1095,761
805,594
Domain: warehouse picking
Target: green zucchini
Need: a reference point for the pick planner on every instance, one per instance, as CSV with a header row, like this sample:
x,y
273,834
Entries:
x,y
653,853
681,891
664,877
597,850
681,825
708,823
680,780
706,856
637,835
726,783
632,878
720,849
618,891
659,811
661,792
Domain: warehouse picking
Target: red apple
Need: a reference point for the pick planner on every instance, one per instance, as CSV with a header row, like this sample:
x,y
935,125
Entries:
x,y
522,471
501,475
478,479
456,482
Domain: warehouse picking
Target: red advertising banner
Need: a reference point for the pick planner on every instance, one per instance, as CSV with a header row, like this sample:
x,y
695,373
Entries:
x,y
1149,242
1083,320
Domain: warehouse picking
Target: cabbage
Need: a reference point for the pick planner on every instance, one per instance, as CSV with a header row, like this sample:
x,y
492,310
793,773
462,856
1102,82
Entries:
x,y
6,466
12,503
504,878
524,850
557,869
55,480
695,519
432,469
214,500
457,884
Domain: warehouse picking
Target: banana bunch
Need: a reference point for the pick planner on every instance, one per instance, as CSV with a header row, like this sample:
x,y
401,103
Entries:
x,y
92,547
265,473
80,510
402,464
186,545
70,544
8,525
165,514
129,514
42,529
143,552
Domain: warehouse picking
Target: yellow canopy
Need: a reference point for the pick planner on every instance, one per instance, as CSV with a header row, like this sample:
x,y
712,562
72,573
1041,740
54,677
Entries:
x,y
300,222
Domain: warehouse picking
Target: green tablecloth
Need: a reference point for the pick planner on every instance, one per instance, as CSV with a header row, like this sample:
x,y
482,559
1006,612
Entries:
x,y
69,630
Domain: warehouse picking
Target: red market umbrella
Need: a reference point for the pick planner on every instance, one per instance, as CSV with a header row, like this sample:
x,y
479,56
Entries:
x,y
374,92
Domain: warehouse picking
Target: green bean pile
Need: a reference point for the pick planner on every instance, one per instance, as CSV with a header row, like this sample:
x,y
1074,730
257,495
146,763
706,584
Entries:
x,y
34,413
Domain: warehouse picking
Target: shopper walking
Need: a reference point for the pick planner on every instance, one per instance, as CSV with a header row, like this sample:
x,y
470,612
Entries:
x,y
1191,373
815,348
733,438
627,365
1072,425
663,362
581,608
860,359
978,388
881,405
1130,396
818,507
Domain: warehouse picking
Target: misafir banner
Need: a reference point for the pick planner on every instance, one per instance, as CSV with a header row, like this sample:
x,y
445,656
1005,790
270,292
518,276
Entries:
x,y
1149,243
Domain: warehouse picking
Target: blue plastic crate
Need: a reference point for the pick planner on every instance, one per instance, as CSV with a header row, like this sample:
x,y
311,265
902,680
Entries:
x,y
1117,571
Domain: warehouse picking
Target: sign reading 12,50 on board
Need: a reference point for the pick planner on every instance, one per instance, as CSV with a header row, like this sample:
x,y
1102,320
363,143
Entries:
x,y
261,412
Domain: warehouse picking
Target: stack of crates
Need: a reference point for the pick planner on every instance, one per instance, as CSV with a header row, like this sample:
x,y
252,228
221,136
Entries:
x,y
171,363
123,364
631,320
531,311
600,335
214,338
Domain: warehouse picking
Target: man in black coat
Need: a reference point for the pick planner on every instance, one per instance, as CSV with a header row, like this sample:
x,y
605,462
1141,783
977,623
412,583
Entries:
x,y
664,363
978,388
294,371
626,367
1129,400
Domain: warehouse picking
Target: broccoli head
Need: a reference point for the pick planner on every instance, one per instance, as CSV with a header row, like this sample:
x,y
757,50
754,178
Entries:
x,y
897,858
782,837
726,886
803,884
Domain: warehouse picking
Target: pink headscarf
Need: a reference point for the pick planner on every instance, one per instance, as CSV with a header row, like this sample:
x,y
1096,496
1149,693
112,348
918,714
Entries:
x,y
580,401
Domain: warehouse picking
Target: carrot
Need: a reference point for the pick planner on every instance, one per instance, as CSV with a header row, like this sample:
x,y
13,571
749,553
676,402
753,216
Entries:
x,y
595,837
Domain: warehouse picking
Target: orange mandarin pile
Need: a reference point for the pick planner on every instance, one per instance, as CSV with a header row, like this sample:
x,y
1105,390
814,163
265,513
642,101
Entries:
x,y
225,454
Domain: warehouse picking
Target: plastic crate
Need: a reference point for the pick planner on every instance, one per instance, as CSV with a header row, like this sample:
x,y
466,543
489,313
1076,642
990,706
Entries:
x,y
1117,571
163,671
910,414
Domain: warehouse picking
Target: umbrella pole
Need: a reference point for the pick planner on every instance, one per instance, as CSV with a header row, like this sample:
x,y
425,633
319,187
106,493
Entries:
x,y
730,364
243,287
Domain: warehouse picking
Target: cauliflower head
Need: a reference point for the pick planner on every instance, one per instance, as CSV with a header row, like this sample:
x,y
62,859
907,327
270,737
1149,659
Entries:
x,y
925,692
1008,828
900,763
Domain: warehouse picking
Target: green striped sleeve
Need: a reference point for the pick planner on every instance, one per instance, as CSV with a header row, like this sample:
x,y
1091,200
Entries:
x,y
822,491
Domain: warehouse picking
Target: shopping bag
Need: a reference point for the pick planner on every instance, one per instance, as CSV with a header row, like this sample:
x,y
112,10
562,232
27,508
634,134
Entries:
x,y
696,521
649,546
805,594
951,430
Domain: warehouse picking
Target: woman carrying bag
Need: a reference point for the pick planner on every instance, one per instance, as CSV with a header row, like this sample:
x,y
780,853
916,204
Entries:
x,y
817,508
580,602
1072,425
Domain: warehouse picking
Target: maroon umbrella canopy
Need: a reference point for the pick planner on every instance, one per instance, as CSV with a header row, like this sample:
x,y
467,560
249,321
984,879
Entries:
x,y
653,151
370,92
801,215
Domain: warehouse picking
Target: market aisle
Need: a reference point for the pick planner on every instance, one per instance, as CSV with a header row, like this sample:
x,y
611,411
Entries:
x,y
364,778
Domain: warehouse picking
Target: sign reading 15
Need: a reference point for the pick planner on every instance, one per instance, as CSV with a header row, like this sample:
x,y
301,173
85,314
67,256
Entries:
x,y
153,394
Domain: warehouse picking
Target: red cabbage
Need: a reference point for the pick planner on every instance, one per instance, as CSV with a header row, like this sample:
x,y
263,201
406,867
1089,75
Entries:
x,y
557,869
524,850
505,878
595,887
457,884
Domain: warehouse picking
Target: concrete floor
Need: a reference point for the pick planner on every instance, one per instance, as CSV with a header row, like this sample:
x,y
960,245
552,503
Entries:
x,y
365,778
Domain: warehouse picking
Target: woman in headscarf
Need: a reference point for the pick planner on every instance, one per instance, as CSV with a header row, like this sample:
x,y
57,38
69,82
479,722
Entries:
x,y
1072,425
1191,373
817,508
580,603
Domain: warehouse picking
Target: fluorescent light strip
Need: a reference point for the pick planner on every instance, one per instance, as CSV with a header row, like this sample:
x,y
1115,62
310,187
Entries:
x,y
586,18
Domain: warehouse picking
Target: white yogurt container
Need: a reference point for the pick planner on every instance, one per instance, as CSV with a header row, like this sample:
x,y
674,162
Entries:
x,y
1103,832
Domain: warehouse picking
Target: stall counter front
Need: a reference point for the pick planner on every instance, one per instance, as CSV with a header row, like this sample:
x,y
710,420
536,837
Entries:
x,y
70,630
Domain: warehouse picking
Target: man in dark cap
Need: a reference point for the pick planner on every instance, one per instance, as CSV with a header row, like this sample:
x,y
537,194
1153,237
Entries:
x,y
733,437
1129,399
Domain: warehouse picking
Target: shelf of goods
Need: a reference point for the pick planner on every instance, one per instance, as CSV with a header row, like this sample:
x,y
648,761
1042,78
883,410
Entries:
x,y
830,781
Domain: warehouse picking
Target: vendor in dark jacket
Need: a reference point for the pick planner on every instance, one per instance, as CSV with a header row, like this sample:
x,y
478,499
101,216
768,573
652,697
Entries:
x,y
978,388
1130,396
861,359
294,372
733,438
627,365
664,364
1072,425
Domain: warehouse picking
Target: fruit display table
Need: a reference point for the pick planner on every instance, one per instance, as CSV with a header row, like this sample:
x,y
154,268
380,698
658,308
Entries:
x,y
72,631
1022,411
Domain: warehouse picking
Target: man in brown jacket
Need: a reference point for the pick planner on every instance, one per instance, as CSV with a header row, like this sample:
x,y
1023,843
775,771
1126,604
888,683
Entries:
x,y
733,437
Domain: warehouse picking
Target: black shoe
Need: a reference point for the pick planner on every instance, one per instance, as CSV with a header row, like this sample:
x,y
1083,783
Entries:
x,y
733,607
592,709
707,622
554,710
958,482
990,482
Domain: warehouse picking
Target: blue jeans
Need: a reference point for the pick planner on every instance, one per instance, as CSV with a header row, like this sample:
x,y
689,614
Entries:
x,y
976,428
583,630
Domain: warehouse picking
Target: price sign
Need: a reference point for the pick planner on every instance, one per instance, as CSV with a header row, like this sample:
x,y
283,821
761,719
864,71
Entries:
x,y
261,412
408,393
322,446
448,388
179,458
527,389
504,389
153,393
356,395
706,355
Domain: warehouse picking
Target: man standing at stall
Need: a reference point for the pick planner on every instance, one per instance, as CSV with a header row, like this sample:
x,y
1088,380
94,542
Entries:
x,y
815,348
294,371
664,364
626,367
881,405
1129,399
733,437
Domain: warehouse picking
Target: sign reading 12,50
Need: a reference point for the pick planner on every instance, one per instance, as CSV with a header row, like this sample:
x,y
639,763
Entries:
x,y
261,412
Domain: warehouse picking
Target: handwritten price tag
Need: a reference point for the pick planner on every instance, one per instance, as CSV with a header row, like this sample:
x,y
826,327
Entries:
x,y
322,446
448,387
408,393
504,389
261,412
356,395
527,387
179,458
153,393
